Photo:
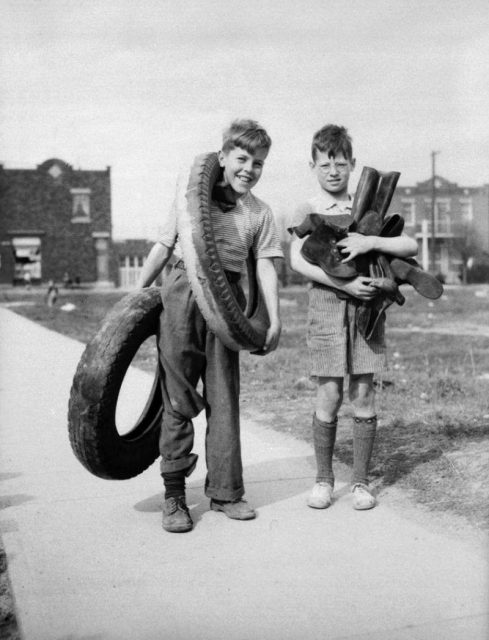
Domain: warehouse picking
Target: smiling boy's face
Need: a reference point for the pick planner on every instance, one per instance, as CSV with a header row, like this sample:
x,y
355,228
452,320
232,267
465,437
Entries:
x,y
333,174
242,169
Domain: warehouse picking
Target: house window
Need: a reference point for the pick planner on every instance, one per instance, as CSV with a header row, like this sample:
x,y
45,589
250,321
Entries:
x,y
130,269
442,216
466,209
408,211
27,256
81,205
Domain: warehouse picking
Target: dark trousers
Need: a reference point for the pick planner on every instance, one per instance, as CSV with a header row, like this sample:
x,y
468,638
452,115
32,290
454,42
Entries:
x,y
188,353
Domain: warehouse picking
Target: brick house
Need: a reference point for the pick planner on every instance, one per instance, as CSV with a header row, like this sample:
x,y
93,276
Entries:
x,y
461,222
55,222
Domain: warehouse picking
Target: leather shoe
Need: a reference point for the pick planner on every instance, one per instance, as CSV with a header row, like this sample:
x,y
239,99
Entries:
x,y
370,224
237,510
407,270
176,517
368,314
321,249
386,285
382,270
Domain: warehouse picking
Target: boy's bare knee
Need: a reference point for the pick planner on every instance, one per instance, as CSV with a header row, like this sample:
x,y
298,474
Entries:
x,y
329,398
362,395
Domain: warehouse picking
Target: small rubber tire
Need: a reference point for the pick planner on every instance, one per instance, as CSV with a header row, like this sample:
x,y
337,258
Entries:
x,y
237,329
95,390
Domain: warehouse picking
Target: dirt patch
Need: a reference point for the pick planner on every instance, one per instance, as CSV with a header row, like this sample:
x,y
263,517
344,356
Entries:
x,y
455,482
405,503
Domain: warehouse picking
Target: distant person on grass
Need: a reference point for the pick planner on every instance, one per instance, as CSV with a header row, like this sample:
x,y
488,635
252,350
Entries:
x,y
27,279
188,351
336,347
51,294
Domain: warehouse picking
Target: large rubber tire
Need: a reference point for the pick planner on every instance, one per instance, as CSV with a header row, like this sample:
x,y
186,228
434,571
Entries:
x,y
237,329
96,385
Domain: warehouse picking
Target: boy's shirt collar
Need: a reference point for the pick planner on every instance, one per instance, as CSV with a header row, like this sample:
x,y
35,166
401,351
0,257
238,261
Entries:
x,y
328,204
225,197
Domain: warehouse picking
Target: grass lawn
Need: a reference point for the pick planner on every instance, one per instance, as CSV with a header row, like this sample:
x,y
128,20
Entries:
x,y
433,403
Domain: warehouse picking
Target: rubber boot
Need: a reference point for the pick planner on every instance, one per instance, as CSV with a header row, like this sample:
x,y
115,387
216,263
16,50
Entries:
x,y
393,226
320,248
365,193
385,190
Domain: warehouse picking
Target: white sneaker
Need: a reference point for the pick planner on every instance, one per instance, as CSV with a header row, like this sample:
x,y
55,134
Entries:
x,y
362,498
321,496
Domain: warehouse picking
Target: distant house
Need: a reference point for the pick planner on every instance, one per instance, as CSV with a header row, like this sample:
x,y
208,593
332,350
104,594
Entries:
x,y
55,224
461,217
130,255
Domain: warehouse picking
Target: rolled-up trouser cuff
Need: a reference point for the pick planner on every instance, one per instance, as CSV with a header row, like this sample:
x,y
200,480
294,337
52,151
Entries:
x,y
186,464
218,493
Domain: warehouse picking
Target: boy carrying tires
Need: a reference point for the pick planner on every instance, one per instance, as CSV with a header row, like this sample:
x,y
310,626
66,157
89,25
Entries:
x,y
190,352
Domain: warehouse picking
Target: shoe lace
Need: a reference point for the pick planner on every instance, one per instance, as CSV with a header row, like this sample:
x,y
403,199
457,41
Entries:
x,y
173,504
181,504
361,488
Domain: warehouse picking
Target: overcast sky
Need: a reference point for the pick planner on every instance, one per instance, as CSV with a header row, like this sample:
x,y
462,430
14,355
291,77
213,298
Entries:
x,y
143,86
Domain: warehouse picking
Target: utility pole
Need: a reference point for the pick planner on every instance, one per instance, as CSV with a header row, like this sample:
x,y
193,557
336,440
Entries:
x,y
433,205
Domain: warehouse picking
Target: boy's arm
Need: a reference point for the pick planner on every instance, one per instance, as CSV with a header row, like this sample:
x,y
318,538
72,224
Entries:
x,y
356,244
154,264
268,282
358,287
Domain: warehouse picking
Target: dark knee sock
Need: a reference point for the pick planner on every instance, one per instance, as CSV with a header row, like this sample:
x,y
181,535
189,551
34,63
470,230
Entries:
x,y
324,438
363,443
174,484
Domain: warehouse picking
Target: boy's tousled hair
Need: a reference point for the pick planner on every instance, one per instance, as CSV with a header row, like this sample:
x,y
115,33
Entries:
x,y
246,134
332,139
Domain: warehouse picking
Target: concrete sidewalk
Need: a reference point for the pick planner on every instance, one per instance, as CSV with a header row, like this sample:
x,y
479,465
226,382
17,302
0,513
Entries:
x,y
88,558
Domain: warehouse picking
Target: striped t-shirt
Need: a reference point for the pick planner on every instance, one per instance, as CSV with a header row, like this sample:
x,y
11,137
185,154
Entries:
x,y
250,225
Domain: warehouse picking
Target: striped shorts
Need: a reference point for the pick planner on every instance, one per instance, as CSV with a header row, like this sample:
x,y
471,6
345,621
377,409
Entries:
x,y
335,345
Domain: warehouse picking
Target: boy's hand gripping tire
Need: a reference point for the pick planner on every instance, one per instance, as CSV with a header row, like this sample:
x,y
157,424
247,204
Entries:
x,y
96,385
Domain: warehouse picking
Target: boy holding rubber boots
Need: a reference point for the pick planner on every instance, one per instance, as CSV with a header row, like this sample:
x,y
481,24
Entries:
x,y
355,257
